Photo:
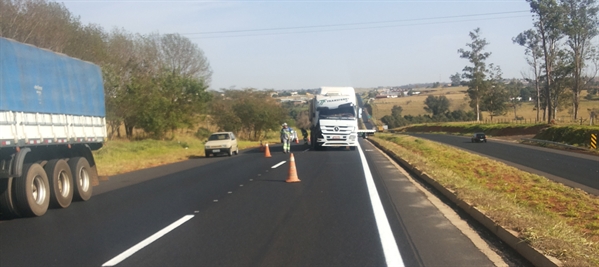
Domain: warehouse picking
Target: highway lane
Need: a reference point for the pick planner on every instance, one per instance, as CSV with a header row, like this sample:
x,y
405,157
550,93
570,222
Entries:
x,y
258,219
573,169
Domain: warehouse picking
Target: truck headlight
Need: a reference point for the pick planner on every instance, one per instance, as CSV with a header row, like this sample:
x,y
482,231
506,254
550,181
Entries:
x,y
352,137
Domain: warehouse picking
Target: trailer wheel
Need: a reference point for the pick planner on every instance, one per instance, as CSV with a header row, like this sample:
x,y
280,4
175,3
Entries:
x,y
32,191
7,203
61,183
82,177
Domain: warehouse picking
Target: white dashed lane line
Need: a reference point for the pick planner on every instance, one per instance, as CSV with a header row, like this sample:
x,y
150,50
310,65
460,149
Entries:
x,y
279,164
121,257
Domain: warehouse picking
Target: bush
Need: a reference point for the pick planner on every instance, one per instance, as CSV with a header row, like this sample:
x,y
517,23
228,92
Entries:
x,y
573,135
202,133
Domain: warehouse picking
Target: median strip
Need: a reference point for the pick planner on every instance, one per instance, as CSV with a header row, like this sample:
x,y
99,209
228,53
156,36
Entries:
x,y
121,257
533,214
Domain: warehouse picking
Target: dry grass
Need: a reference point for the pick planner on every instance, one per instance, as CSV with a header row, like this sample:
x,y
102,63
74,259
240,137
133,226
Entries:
x,y
560,221
414,105
121,156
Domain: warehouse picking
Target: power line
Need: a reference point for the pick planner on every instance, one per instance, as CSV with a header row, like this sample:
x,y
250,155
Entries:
x,y
355,24
348,29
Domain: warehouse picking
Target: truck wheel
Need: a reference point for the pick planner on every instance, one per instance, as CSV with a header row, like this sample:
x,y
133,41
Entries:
x,y
230,152
207,153
32,191
7,203
82,177
61,183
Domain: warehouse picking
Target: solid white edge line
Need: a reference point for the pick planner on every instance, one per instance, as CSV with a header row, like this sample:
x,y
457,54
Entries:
x,y
116,260
392,256
279,164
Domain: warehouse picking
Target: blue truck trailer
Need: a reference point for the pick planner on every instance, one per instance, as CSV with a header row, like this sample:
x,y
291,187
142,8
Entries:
x,y
52,116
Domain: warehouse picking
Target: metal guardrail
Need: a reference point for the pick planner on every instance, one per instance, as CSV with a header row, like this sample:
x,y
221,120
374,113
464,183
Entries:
x,y
553,143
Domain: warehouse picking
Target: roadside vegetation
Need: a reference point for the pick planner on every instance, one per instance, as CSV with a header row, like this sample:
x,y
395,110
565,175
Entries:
x,y
558,220
525,112
121,156
569,134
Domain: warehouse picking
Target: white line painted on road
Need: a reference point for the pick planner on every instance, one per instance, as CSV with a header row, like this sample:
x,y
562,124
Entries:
x,y
280,163
116,260
392,256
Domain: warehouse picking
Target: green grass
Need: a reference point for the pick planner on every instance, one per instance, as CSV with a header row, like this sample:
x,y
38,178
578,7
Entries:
x,y
558,220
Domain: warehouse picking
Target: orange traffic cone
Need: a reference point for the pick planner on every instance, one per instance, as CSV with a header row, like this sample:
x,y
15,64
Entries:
x,y
297,140
292,178
267,152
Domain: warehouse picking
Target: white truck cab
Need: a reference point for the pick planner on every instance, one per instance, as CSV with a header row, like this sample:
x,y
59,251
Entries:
x,y
334,115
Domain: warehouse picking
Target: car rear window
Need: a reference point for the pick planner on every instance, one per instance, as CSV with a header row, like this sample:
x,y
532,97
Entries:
x,y
219,137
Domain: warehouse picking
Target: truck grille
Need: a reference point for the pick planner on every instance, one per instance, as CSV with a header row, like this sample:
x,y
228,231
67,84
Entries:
x,y
341,130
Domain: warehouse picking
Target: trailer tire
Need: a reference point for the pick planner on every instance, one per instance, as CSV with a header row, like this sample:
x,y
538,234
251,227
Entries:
x,y
82,178
32,191
61,183
7,203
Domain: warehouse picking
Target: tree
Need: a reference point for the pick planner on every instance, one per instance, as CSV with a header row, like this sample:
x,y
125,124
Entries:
x,y
175,103
456,79
396,111
436,104
496,97
303,120
548,24
530,40
514,93
562,80
37,22
475,73
183,57
390,121
247,112
580,28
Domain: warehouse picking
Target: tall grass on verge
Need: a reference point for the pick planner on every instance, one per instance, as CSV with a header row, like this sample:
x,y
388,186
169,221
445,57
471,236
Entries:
x,y
558,220
121,156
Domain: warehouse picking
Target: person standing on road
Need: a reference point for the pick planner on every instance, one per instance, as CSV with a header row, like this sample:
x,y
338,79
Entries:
x,y
286,137
305,136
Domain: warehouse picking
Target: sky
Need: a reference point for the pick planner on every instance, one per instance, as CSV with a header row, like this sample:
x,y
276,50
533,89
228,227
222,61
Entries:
x,y
305,44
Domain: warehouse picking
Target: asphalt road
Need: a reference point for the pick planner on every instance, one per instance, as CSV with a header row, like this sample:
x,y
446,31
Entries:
x,y
238,211
573,169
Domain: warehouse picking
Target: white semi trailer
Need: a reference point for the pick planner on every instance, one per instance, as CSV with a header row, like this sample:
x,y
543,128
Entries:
x,y
334,115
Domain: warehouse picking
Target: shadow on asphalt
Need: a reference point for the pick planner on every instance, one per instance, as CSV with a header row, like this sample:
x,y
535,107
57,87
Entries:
x,y
270,180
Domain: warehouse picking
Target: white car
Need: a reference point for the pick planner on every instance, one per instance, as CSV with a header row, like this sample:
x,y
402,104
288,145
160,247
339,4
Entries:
x,y
221,143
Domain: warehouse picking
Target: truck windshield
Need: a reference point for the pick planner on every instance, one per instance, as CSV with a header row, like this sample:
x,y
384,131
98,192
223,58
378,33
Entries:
x,y
341,113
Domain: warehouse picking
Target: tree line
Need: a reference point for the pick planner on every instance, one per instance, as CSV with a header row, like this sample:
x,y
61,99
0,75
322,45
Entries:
x,y
559,50
155,82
